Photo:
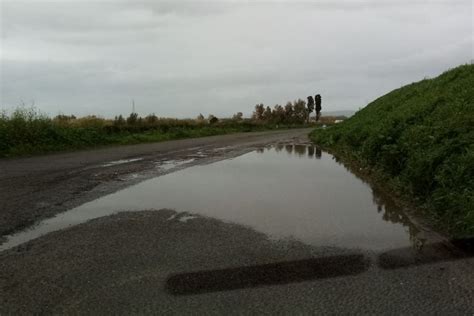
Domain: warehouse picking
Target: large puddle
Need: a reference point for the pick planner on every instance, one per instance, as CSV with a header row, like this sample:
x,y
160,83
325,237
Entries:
x,y
286,191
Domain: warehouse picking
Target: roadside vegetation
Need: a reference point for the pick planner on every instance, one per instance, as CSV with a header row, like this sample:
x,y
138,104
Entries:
x,y
419,140
26,131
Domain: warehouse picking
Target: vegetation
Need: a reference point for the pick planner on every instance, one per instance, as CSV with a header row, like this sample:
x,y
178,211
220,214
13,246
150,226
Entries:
x,y
26,131
310,106
420,140
292,113
317,100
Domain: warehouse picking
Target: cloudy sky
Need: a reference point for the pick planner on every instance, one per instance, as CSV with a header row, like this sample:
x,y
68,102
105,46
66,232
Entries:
x,y
180,58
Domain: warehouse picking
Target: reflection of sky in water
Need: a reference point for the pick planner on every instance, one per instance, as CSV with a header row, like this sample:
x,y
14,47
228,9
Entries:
x,y
285,191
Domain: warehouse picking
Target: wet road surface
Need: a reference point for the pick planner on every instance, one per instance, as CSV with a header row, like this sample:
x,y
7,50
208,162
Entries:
x,y
268,224
35,188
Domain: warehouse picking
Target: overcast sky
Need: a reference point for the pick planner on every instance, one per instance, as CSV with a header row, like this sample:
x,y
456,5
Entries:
x,y
182,58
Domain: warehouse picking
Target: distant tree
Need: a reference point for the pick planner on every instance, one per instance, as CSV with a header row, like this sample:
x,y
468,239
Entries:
x,y
238,116
258,113
64,119
317,100
310,106
212,119
151,119
200,118
300,112
289,112
132,119
119,120
278,114
267,114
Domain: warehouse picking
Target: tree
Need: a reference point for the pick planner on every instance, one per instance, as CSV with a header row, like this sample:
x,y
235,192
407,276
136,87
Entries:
x,y
300,113
267,114
289,112
317,100
151,119
64,118
238,116
278,114
212,119
200,118
119,120
258,113
132,119
310,106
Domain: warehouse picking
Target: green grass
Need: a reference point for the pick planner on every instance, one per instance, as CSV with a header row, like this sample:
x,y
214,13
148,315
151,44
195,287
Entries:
x,y
420,140
27,132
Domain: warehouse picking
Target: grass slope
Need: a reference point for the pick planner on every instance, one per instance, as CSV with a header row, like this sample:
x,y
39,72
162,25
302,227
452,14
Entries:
x,y
420,140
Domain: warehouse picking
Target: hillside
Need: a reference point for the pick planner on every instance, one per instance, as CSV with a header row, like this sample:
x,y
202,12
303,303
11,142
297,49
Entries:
x,y
420,140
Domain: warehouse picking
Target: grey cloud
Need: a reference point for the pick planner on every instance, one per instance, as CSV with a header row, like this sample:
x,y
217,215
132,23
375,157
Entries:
x,y
184,57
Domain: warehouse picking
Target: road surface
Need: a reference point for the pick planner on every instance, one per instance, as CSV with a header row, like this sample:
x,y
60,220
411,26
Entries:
x,y
35,188
167,261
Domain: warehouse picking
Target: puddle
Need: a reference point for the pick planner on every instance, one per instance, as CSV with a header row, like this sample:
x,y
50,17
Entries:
x,y
120,162
286,191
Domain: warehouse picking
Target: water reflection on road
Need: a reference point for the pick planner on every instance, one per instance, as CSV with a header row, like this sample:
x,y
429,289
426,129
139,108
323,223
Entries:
x,y
286,191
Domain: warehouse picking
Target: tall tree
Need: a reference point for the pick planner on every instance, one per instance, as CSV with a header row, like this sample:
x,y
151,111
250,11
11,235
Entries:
x,y
310,106
258,113
278,114
238,116
132,119
200,118
289,112
212,119
317,100
300,112
267,114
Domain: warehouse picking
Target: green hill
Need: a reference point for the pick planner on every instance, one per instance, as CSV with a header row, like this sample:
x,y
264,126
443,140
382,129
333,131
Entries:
x,y
420,140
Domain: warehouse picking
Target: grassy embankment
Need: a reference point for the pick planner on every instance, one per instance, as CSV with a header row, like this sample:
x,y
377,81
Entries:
x,y
26,132
418,140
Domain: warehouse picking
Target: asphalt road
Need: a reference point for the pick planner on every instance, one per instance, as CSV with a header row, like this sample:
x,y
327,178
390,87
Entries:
x,y
156,261
35,188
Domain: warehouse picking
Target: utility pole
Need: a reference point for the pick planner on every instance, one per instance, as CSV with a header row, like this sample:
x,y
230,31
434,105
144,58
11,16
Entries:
x,y
133,105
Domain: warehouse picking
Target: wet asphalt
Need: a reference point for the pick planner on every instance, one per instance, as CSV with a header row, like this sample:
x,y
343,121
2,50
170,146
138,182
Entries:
x,y
150,262
35,188
163,261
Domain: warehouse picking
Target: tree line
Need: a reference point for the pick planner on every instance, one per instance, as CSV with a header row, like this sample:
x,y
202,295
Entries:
x,y
296,112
